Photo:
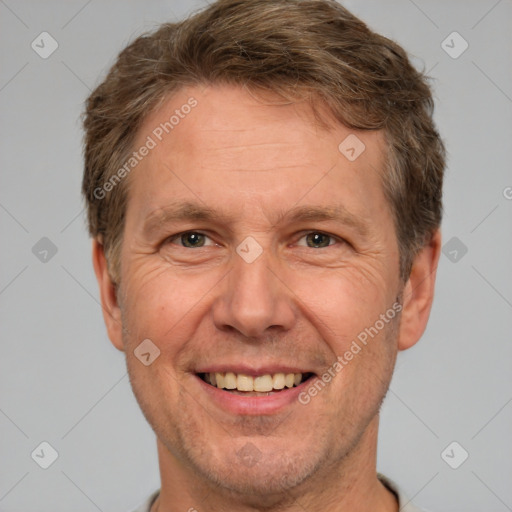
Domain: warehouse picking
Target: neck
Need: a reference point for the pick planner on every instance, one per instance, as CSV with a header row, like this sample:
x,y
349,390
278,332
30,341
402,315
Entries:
x,y
349,484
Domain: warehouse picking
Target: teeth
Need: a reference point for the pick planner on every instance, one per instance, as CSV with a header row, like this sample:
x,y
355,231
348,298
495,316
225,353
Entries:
x,y
230,380
244,383
278,380
219,378
262,383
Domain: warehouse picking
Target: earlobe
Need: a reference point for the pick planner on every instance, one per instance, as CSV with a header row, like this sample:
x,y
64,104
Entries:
x,y
419,293
109,303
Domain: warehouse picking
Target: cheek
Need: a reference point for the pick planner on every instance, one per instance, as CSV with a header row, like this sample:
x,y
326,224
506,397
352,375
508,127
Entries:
x,y
160,304
342,303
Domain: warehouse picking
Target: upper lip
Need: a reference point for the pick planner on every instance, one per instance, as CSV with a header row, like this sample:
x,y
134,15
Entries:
x,y
253,371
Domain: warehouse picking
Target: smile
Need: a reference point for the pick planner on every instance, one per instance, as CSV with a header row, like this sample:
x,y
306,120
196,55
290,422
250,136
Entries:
x,y
245,384
242,389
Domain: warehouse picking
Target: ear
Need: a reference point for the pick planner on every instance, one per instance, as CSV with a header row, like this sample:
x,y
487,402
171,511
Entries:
x,y
109,304
418,293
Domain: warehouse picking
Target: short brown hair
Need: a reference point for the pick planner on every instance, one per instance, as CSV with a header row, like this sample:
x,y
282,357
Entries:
x,y
297,49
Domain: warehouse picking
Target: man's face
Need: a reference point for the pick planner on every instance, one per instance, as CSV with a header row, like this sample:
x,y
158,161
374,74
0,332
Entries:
x,y
253,280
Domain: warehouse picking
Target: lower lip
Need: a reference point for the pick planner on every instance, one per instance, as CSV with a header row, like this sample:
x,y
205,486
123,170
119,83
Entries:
x,y
253,405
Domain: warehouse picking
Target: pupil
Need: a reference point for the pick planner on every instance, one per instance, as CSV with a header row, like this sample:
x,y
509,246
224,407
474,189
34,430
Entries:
x,y
192,239
316,239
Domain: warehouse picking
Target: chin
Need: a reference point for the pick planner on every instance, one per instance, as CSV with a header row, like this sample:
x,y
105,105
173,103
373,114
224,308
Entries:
x,y
257,472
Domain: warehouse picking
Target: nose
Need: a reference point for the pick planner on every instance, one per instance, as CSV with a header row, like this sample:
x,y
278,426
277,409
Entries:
x,y
254,298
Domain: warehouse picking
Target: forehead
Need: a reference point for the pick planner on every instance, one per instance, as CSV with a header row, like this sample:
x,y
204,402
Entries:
x,y
222,143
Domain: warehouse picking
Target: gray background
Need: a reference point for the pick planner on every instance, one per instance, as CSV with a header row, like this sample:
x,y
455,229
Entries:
x,y
62,382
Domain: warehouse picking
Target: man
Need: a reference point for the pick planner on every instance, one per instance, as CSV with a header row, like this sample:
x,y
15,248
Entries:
x,y
263,183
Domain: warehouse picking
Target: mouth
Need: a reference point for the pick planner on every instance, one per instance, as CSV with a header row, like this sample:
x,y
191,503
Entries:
x,y
259,385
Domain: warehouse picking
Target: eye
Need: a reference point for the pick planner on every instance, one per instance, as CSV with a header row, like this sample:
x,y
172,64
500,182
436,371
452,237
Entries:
x,y
190,239
195,239
318,240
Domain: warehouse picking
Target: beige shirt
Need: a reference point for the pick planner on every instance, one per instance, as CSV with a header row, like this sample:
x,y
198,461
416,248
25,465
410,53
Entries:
x,y
404,504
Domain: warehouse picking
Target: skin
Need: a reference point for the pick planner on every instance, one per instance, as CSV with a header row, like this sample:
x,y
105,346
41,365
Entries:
x,y
301,302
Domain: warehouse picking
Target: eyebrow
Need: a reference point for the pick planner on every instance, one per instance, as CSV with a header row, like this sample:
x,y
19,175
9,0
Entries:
x,y
190,211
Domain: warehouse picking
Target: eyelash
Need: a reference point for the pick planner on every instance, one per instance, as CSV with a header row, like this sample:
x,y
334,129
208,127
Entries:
x,y
172,238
